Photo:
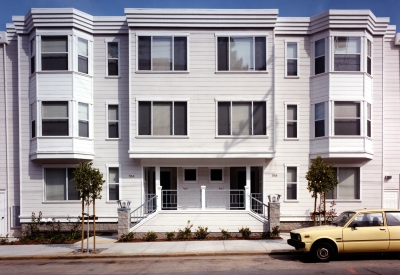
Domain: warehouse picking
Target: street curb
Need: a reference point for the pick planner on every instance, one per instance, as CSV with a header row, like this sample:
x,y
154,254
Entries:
x,y
80,256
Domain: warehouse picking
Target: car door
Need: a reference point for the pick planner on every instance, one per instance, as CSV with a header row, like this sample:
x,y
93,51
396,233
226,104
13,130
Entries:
x,y
366,233
393,225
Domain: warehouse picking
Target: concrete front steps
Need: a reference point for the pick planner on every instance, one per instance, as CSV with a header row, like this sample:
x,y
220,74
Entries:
x,y
231,220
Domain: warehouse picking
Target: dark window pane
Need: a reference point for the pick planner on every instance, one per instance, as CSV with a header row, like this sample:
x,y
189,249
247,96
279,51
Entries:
x,y
291,191
55,127
33,65
144,118
180,118
112,67
368,128
224,118
261,54
51,62
33,128
83,64
320,128
83,128
369,65
347,62
73,194
112,50
180,53
320,65
223,54
216,174
347,127
291,67
144,52
291,130
259,118
190,175
113,192
113,130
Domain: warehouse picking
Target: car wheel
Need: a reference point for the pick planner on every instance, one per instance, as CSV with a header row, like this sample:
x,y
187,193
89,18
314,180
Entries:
x,y
322,252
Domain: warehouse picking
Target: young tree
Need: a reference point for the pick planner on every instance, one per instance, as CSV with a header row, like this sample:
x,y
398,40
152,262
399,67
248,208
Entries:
x,y
89,182
321,179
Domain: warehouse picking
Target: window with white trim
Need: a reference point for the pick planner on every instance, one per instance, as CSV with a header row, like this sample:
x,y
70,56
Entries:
x,y
83,119
347,118
83,55
369,57
162,53
113,183
33,119
319,119
241,53
291,182
33,55
369,120
55,118
216,175
347,54
113,120
189,175
59,185
112,58
242,118
54,53
348,187
292,64
319,54
162,118
291,121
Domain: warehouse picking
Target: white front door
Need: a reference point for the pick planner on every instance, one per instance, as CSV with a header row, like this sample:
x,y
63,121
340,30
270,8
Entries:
x,y
391,199
3,217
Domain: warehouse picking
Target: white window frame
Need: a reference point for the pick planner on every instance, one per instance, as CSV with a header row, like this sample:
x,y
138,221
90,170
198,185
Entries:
x,y
241,34
117,103
287,58
361,54
297,166
325,55
326,121
297,104
66,167
162,34
359,184
106,41
216,168
33,118
190,181
235,100
369,42
86,120
40,118
108,166
33,54
86,56
360,118
40,53
163,100
368,118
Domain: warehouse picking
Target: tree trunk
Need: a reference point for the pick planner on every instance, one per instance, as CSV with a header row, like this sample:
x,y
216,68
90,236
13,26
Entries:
x,y
83,224
94,225
324,208
315,209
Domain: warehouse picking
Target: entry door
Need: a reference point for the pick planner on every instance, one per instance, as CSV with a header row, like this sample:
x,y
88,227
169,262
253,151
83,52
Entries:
x,y
3,217
391,199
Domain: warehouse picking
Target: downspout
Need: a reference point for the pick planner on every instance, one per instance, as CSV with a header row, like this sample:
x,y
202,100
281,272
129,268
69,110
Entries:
x,y
6,132
383,119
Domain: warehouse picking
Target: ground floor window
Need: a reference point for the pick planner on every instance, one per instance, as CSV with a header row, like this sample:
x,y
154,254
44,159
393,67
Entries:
x,y
349,184
59,184
291,183
113,183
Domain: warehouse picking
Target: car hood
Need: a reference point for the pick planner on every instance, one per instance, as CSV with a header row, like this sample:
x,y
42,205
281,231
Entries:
x,y
316,229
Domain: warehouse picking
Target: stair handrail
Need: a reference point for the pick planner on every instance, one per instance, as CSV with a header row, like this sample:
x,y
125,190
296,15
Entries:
x,y
137,216
263,212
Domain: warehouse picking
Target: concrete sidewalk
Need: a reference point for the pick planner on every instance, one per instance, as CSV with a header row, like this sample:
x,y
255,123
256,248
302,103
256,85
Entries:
x,y
110,248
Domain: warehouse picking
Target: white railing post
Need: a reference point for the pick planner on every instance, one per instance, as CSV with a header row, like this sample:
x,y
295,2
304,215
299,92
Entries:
x,y
203,197
159,197
247,197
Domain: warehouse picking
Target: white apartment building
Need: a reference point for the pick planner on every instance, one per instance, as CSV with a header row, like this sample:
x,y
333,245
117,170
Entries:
x,y
207,112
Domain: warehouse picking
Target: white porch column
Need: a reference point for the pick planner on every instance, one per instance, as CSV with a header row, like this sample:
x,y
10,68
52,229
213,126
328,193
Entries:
x,y
203,197
158,188
247,187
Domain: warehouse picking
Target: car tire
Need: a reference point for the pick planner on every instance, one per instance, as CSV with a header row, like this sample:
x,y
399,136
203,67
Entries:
x,y
322,252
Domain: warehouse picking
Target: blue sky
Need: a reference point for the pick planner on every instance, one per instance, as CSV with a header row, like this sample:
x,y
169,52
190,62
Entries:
x,y
381,8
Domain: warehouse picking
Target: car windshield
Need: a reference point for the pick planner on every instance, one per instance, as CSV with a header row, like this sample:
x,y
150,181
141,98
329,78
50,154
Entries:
x,y
343,218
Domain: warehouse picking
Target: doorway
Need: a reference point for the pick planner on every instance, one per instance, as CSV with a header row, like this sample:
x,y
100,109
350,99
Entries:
x,y
237,185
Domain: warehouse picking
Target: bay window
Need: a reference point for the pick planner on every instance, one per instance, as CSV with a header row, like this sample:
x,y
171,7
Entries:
x,y
33,119
162,53
162,118
347,54
347,118
33,55
83,119
242,118
55,118
319,119
83,56
54,53
369,57
242,53
59,185
319,54
369,120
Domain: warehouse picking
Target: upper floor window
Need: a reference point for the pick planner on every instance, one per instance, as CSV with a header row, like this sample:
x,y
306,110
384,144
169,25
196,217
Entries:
x,y
242,118
347,118
59,185
347,51
55,118
369,120
54,51
33,119
319,119
291,121
83,117
113,120
292,59
162,53
112,59
83,56
33,55
162,118
242,53
369,57
319,53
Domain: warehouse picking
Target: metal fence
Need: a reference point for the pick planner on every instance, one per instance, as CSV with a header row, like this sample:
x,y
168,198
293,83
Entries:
x,y
147,208
181,199
258,207
227,199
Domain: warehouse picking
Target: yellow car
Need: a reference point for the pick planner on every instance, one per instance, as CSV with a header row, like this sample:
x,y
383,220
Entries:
x,y
366,230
